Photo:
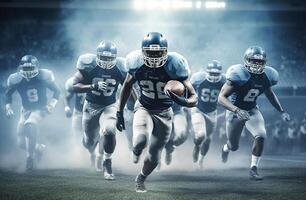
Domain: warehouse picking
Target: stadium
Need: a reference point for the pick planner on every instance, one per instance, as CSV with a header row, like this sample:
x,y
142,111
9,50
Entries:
x,y
58,32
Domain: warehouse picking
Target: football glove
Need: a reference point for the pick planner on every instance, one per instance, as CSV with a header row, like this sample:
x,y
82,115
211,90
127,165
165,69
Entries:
x,y
120,121
68,111
242,114
182,101
9,111
99,86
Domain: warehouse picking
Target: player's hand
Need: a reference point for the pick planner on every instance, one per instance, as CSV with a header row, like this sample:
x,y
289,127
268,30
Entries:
x,y
9,111
285,116
120,121
99,86
182,101
68,111
242,114
51,106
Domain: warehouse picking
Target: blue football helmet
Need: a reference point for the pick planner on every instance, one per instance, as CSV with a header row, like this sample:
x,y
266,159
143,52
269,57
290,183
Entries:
x,y
214,71
255,59
106,55
29,66
154,50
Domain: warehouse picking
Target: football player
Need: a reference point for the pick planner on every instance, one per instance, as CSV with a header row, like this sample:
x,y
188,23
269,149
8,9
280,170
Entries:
x,y
179,132
99,75
208,84
77,111
239,94
152,68
31,83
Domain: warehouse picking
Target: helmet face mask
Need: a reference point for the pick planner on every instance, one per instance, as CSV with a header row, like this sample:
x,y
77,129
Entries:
x,y
28,67
255,60
214,71
154,50
106,55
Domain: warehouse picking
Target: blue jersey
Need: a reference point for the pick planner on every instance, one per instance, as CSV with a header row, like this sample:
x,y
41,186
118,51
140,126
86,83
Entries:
x,y
92,73
33,92
152,81
78,97
207,91
248,86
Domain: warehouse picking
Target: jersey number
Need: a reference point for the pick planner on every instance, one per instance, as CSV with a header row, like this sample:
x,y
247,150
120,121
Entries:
x,y
32,95
149,89
111,83
251,95
208,95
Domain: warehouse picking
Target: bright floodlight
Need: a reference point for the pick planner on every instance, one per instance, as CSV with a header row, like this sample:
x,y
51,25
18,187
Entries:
x,y
198,4
215,4
138,4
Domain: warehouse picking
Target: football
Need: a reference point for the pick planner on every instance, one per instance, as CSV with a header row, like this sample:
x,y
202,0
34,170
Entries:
x,y
176,87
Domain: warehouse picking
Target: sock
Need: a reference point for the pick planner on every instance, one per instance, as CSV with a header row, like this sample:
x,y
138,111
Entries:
x,y
107,156
225,148
255,161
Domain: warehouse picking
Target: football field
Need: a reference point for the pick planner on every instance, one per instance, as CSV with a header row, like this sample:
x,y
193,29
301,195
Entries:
x,y
285,178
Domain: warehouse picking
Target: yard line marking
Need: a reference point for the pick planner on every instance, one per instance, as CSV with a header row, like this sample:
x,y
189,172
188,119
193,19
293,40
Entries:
x,y
285,160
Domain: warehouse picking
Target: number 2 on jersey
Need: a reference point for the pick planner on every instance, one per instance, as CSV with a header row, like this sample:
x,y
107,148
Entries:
x,y
251,95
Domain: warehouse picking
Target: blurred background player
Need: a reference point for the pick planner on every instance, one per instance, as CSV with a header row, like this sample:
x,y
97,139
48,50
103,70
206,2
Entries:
x,y
239,94
31,83
207,84
74,109
99,77
152,68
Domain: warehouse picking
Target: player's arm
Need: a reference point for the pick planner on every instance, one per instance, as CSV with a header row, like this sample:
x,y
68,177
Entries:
x,y
226,91
273,99
67,101
192,99
123,97
9,99
56,95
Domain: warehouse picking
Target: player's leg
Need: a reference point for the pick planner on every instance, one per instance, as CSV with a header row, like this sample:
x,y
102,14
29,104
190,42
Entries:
x,y
30,130
256,126
162,127
142,127
211,124
76,124
90,124
234,127
108,133
180,134
199,127
20,131
129,115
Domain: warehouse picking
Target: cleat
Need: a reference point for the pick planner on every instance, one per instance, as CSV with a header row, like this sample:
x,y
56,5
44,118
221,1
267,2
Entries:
x,y
108,172
140,186
39,150
195,153
29,164
168,158
98,164
254,174
92,159
224,155
201,161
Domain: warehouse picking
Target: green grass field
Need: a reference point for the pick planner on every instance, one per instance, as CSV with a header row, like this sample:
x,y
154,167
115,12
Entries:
x,y
283,180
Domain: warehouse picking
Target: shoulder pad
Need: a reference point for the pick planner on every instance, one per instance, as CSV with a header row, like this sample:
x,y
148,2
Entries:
x,y
45,74
197,78
14,79
272,75
120,63
177,66
237,74
86,62
223,79
68,84
134,61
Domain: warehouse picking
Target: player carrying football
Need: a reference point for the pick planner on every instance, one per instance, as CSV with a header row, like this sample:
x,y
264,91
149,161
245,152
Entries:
x,y
239,94
152,68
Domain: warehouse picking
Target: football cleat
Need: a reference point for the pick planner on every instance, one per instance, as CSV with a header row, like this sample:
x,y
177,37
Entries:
x,y
39,150
254,174
108,172
195,153
29,164
140,186
224,155
98,164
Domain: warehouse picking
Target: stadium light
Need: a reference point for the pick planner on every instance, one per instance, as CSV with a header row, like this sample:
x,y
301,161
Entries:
x,y
198,4
215,4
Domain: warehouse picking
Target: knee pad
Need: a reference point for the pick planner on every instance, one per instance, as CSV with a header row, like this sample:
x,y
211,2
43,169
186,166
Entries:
x,y
140,144
109,130
258,146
